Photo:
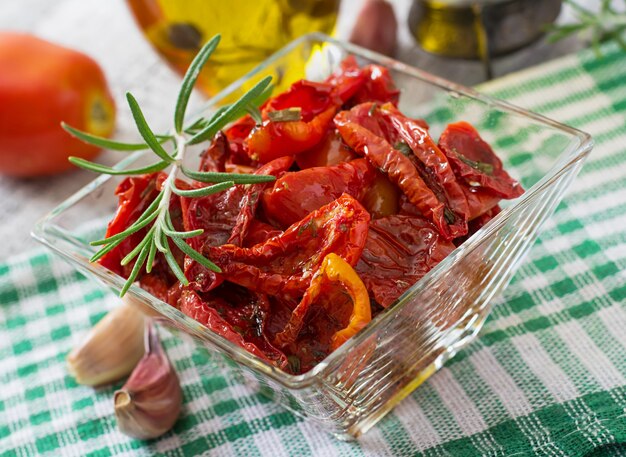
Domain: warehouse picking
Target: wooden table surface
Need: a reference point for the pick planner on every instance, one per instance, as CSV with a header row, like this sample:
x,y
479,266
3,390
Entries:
x,y
105,30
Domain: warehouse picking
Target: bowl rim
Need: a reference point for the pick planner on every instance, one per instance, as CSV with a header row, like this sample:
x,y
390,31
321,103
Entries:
x,y
44,228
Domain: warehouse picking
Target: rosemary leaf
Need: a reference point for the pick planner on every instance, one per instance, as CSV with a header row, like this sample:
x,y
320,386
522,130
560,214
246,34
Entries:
x,y
483,167
191,252
255,114
195,255
161,240
171,261
135,271
233,112
190,79
285,115
204,191
170,232
105,142
102,169
105,250
145,130
216,177
132,254
404,148
151,256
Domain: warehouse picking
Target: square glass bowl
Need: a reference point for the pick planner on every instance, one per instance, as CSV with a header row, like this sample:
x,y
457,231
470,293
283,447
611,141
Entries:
x,y
359,383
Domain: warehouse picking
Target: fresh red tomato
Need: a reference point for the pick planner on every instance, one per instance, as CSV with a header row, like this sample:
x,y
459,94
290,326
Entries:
x,y
297,194
41,85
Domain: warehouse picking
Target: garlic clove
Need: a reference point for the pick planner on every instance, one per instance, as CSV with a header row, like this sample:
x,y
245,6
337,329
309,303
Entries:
x,y
111,349
150,402
376,27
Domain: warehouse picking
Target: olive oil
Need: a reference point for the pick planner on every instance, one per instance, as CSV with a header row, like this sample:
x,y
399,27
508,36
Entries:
x,y
251,31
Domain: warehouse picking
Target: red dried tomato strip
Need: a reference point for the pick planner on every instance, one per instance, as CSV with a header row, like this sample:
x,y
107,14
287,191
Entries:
x,y
277,139
298,193
312,98
397,166
474,160
251,196
399,250
432,164
285,263
334,272
191,304
135,194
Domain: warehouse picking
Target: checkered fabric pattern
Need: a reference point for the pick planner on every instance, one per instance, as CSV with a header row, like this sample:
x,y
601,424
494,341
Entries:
x,y
546,377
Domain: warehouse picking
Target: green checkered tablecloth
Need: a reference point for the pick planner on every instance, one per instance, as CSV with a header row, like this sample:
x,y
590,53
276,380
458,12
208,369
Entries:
x,y
546,377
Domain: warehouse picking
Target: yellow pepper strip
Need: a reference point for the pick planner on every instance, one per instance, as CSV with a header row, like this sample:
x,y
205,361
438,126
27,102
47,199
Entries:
x,y
334,268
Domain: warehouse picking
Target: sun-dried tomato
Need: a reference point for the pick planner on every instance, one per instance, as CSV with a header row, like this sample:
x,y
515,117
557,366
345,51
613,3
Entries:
x,y
284,264
298,193
423,175
135,194
335,286
252,195
399,250
474,160
275,139
240,323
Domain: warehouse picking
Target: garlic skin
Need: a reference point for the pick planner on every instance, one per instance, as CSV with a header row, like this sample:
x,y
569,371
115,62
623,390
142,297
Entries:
x,y
151,400
376,27
111,349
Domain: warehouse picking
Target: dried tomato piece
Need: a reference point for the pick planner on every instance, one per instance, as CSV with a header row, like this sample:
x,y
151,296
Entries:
x,y
347,79
236,135
275,139
214,157
431,163
378,87
285,263
332,285
251,196
135,194
250,321
474,161
365,130
478,223
312,98
298,193
371,83
399,250
328,152
259,232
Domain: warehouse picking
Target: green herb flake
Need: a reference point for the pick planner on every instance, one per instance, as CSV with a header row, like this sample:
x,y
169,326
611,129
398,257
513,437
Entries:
x,y
294,363
285,115
404,148
483,167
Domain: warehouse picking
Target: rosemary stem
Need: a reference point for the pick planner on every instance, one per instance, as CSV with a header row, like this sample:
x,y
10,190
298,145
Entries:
x,y
168,184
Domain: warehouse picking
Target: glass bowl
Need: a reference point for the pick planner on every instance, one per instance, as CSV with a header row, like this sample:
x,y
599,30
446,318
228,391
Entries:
x,y
355,386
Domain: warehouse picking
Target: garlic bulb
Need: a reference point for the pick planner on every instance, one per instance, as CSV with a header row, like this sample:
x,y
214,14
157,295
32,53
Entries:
x,y
376,27
111,349
150,401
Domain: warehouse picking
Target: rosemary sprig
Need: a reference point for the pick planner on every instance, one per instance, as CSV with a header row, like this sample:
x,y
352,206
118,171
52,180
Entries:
x,y
607,24
156,218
